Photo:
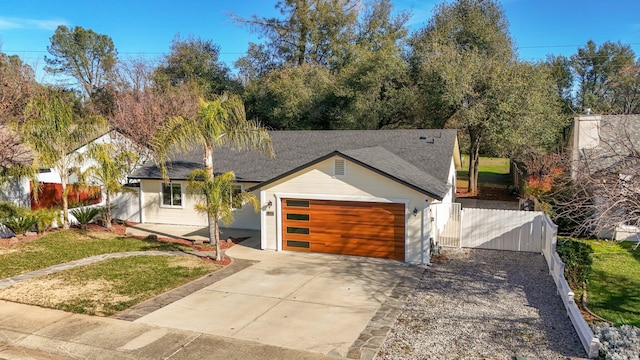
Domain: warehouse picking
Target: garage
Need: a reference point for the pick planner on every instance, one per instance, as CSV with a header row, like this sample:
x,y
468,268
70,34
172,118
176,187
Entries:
x,y
372,229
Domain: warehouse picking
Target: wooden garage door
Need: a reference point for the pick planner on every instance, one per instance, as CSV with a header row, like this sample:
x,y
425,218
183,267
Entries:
x,y
344,227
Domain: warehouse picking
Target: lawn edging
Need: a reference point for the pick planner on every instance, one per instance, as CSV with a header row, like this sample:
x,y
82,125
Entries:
x,y
589,341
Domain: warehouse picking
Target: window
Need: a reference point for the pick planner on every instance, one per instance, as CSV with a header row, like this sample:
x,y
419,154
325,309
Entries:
x,y
298,244
298,203
339,168
299,217
171,194
297,230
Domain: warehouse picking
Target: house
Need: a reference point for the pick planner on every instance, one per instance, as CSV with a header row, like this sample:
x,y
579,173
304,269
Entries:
x,y
355,192
13,153
19,190
606,149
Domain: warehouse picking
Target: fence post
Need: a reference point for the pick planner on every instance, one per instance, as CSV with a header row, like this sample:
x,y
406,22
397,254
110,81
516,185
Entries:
x,y
460,224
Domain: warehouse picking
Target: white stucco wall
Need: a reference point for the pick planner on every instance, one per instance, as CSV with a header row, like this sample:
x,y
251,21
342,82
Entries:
x,y
359,184
17,191
154,212
442,213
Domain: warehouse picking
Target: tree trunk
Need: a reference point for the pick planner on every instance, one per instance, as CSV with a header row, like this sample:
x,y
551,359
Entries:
x,y
65,201
474,161
214,231
107,210
216,235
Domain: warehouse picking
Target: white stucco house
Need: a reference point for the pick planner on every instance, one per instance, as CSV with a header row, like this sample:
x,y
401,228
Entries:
x,y
18,190
356,192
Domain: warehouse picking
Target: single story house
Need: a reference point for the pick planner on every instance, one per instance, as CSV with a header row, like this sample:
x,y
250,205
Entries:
x,y
353,192
19,190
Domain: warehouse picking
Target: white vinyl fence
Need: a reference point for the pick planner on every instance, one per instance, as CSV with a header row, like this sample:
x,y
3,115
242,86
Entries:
x,y
446,223
501,229
126,206
590,343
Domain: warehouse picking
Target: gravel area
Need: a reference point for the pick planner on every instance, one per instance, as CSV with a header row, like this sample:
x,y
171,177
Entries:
x,y
483,304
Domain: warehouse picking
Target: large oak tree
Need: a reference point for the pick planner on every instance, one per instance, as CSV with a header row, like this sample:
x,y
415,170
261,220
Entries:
x,y
468,75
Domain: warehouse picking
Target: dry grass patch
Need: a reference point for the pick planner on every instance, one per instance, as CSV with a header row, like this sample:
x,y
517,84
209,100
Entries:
x,y
110,286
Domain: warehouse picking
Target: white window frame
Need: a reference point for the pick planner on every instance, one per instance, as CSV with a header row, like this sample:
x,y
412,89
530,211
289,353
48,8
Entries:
x,y
171,186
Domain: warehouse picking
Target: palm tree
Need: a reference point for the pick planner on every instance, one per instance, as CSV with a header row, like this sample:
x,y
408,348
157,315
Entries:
x,y
110,170
219,198
53,132
220,122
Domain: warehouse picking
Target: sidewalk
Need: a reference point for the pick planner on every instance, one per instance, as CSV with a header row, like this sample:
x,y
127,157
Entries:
x,y
31,332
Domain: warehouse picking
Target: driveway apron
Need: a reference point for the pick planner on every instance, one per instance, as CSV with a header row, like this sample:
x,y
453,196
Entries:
x,y
312,302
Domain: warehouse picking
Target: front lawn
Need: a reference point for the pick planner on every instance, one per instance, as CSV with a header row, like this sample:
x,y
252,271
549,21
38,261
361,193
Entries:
x,y
110,286
102,288
614,285
64,246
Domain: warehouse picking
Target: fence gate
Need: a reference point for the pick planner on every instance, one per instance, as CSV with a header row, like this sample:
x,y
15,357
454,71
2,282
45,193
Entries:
x,y
446,223
502,229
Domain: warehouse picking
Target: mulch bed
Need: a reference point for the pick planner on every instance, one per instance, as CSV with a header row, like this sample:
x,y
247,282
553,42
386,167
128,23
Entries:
x,y
120,229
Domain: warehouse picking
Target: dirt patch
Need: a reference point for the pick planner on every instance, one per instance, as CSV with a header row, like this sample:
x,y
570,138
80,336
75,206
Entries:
x,y
190,262
487,193
52,292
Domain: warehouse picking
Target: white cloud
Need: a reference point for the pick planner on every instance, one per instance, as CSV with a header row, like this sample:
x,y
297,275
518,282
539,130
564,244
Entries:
x,y
8,23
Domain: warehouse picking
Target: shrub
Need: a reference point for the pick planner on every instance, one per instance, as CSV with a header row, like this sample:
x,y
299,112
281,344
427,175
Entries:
x,y
20,224
46,218
577,261
85,215
618,343
8,210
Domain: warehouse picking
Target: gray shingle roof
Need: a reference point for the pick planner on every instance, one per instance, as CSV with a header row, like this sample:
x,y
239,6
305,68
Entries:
x,y
418,157
394,166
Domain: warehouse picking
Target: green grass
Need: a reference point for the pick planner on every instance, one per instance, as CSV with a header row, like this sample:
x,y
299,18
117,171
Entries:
x,y
63,246
110,286
491,170
614,285
126,282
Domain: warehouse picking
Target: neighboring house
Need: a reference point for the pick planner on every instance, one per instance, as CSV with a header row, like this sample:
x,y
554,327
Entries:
x,y
19,190
607,149
13,153
355,192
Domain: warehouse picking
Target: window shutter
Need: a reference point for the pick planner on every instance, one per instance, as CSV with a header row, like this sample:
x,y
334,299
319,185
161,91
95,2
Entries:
x,y
339,167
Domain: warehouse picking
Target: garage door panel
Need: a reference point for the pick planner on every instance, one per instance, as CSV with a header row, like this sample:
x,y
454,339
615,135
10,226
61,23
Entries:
x,y
344,227
340,236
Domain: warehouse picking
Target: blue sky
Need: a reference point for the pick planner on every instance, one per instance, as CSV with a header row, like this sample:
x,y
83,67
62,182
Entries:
x,y
146,28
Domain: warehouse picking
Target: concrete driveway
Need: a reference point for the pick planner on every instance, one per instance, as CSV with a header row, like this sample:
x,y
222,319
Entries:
x,y
312,302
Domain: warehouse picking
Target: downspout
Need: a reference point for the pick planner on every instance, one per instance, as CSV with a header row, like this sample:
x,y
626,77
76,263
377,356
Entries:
x,y
426,234
140,202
